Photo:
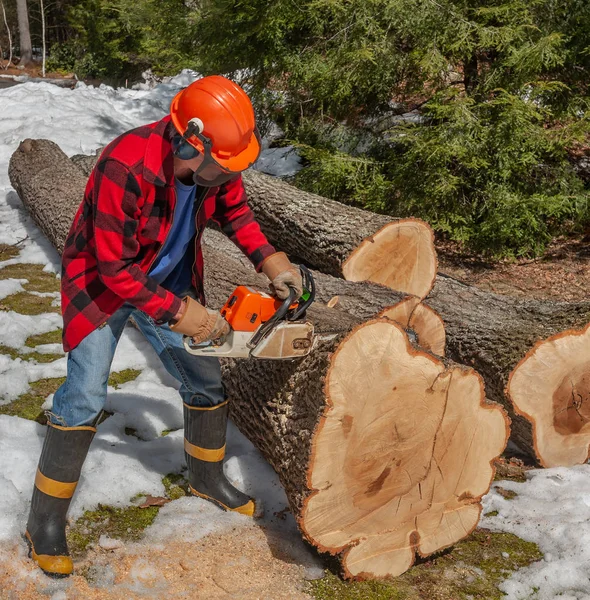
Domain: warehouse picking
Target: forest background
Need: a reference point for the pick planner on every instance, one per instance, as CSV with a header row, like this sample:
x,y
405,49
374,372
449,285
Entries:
x,y
472,114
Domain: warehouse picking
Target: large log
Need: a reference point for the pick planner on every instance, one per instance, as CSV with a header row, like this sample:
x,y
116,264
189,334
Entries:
x,y
343,240
384,450
493,334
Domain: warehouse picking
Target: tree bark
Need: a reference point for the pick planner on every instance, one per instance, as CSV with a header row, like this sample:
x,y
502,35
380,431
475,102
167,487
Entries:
x,y
384,450
342,240
26,49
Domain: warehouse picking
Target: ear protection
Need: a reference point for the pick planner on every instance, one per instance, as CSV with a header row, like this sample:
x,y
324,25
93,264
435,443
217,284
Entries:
x,y
182,149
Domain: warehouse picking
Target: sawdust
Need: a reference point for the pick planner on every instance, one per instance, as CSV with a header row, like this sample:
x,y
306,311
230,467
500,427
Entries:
x,y
244,564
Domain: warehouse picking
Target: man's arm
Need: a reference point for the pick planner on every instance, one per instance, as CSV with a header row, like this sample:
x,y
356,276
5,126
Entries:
x,y
116,197
237,221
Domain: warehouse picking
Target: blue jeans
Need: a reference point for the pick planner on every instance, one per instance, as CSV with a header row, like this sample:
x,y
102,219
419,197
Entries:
x,y
81,398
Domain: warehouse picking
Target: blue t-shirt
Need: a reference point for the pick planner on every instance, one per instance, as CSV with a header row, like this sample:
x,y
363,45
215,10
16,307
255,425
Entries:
x,y
171,269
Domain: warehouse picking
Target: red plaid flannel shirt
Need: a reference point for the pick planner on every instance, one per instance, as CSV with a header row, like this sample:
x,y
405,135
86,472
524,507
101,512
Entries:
x,y
123,221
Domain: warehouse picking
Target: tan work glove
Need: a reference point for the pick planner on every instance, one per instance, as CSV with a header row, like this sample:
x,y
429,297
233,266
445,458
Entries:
x,y
200,323
283,275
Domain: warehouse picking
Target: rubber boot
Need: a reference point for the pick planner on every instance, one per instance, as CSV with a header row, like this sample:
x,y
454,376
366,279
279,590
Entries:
x,y
204,447
61,461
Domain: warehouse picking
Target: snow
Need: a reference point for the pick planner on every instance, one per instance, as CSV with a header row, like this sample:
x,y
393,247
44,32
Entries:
x,y
552,507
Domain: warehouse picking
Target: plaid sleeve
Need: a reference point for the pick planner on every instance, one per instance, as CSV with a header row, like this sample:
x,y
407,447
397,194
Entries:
x,y
116,198
237,221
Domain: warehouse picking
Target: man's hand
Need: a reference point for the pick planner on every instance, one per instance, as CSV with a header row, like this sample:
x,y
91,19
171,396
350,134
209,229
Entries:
x,y
283,275
200,323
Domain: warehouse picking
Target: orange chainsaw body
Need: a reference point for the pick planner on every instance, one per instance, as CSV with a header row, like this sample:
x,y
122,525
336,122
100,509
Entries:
x,y
247,309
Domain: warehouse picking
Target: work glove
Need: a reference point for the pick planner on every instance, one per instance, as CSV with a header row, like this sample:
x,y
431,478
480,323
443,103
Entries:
x,y
283,275
200,323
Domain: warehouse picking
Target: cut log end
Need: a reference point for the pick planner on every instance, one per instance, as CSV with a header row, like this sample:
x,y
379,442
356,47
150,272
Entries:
x,y
424,321
400,256
401,456
551,388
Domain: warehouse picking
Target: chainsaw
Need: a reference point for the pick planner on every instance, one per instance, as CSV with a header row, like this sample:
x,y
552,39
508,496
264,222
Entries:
x,y
263,326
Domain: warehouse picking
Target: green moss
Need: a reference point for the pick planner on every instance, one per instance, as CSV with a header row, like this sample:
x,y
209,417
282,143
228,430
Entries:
x,y
121,377
51,337
119,523
41,358
38,279
472,569
7,251
29,304
28,406
493,513
176,486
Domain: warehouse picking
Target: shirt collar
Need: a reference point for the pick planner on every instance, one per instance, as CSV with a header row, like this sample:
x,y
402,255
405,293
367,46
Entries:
x,y
158,161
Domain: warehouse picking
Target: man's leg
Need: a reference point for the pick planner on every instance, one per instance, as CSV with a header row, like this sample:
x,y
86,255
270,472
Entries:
x,y
77,405
205,415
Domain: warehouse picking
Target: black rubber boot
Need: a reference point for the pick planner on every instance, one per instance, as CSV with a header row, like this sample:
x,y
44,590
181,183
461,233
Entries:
x,y
61,461
204,447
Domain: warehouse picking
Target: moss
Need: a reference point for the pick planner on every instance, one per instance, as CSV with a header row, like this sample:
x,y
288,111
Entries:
x,y
29,304
492,513
121,377
120,523
51,337
7,251
176,486
41,358
472,569
38,279
28,406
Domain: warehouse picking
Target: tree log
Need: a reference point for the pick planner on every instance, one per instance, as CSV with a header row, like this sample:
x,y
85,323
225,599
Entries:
x,y
384,450
492,333
342,240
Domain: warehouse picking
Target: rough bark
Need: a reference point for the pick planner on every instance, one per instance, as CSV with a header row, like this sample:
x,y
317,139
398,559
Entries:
x,y
493,333
50,186
372,438
342,240
26,49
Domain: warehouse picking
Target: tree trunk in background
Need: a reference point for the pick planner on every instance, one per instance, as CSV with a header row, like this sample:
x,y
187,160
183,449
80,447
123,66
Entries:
x,y
9,36
43,37
26,49
342,240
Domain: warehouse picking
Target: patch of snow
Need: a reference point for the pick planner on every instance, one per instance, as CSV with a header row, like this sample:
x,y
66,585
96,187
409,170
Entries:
x,y
11,286
551,509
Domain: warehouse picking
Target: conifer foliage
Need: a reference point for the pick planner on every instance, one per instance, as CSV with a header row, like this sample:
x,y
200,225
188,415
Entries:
x,y
468,113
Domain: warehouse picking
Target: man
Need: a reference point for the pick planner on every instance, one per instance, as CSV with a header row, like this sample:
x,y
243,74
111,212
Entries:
x,y
134,250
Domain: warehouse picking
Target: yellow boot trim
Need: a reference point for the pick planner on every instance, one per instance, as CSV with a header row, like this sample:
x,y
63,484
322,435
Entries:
x,y
79,428
52,487
205,454
206,407
247,509
52,565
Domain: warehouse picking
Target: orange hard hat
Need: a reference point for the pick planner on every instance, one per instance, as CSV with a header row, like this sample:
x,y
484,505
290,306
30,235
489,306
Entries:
x,y
227,118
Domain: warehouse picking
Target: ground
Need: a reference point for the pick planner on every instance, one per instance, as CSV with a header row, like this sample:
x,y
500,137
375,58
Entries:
x,y
562,273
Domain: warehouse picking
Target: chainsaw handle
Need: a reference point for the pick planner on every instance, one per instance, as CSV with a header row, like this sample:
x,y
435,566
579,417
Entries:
x,y
279,315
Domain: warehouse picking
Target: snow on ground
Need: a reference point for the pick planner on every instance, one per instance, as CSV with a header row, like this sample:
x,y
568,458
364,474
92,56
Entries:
x,y
552,508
